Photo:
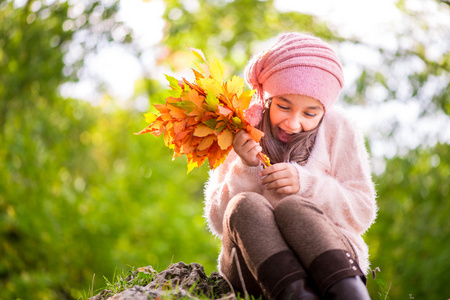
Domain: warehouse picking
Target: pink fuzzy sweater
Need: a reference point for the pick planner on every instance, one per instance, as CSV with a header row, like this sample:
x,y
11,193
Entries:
x,y
336,178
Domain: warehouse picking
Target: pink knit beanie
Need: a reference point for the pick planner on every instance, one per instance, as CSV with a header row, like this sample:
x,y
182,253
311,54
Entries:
x,y
295,64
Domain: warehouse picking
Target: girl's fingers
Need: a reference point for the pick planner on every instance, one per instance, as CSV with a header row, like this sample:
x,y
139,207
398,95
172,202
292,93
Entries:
x,y
287,190
250,145
247,148
252,148
273,173
284,186
241,138
281,177
279,184
273,169
251,155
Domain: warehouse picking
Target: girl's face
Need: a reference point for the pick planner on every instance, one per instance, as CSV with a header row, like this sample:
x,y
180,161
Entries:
x,y
292,114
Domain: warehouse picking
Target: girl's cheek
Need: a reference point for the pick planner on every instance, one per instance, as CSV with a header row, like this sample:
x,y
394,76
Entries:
x,y
311,125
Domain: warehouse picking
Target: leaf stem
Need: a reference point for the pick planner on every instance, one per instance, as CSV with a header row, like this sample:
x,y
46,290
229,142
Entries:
x,y
264,159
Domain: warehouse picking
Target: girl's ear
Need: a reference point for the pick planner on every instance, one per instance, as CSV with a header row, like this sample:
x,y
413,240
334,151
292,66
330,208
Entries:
x,y
268,103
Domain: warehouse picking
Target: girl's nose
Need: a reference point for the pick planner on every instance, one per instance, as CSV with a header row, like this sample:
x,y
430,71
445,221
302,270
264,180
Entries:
x,y
293,124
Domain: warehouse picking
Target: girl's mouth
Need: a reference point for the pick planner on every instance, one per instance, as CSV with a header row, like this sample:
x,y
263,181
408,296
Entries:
x,y
283,135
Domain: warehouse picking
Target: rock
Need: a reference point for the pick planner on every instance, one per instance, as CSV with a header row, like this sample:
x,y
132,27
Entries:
x,y
177,281
137,293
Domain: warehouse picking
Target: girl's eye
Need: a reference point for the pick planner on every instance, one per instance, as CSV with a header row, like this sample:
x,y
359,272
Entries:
x,y
312,115
282,107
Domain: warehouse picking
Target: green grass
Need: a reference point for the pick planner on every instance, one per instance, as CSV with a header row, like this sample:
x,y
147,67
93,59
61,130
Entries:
x,y
121,282
143,276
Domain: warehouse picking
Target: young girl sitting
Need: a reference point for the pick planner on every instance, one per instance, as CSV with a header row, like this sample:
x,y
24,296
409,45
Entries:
x,y
293,230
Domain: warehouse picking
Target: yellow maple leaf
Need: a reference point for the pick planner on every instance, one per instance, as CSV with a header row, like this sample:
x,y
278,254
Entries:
x,y
243,101
235,86
198,53
212,86
150,117
190,166
194,161
216,70
203,69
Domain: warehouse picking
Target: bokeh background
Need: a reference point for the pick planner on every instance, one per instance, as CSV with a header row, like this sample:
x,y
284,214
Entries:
x,y
81,195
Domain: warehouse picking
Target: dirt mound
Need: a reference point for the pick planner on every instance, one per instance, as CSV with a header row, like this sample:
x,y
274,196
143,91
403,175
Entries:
x,y
179,280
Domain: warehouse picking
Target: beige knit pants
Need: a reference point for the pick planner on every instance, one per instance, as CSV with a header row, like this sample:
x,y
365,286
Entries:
x,y
276,246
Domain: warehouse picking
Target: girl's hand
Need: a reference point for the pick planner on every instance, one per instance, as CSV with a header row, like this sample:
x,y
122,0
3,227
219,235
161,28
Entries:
x,y
281,177
247,149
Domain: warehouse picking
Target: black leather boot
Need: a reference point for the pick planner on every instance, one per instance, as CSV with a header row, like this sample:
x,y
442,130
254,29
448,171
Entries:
x,y
350,288
298,290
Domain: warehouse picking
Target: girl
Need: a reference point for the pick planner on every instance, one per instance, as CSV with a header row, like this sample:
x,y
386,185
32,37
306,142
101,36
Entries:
x,y
293,230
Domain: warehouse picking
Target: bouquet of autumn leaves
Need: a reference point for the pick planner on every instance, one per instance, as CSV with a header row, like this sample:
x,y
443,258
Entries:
x,y
200,118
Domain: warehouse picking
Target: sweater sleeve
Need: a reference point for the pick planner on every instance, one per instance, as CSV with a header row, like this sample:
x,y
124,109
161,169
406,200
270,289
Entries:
x,y
345,192
229,179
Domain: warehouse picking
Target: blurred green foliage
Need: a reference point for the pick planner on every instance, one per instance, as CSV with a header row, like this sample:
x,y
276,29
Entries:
x,y
230,29
411,237
81,195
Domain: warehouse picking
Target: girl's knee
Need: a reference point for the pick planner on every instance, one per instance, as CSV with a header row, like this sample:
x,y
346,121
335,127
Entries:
x,y
246,209
245,203
296,206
